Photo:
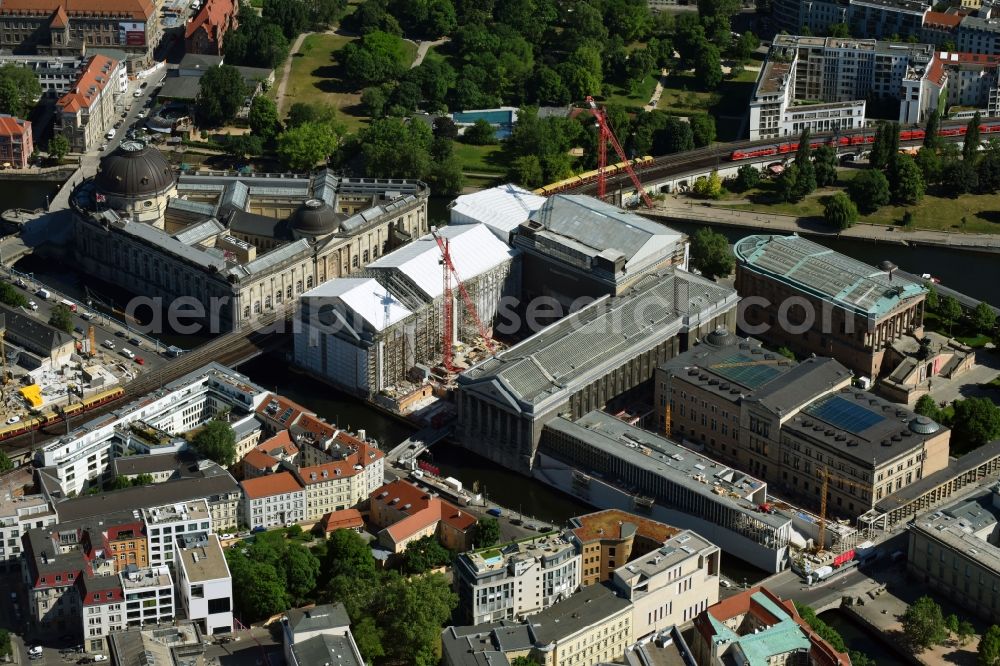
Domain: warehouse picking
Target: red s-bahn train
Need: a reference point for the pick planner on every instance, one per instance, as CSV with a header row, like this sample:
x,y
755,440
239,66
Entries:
x,y
858,138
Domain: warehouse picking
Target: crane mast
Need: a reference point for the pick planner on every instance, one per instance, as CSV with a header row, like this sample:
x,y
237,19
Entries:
x,y
605,136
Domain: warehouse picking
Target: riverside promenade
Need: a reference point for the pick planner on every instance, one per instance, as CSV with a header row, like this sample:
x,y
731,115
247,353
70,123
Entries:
x,y
716,214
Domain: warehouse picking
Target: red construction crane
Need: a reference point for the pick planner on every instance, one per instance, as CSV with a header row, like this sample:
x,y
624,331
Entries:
x,y
450,275
604,137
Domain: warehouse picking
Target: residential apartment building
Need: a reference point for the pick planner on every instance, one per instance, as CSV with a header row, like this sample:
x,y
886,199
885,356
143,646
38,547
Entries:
x,y
512,581
149,596
341,484
672,584
816,301
167,525
87,111
591,627
71,462
274,500
15,142
954,552
822,84
20,511
319,635
102,601
204,584
72,27
757,626
406,513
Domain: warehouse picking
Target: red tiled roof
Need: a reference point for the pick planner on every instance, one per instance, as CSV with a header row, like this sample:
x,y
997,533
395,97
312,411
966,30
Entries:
x,y
270,485
424,510
115,532
141,10
313,425
257,459
92,80
59,19
347,467
213,18
280,443
942,19
280,410
97,590
10,126
348,519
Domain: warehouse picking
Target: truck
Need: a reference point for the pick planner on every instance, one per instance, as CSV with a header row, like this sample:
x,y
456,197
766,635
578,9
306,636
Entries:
x,y
69,304
44,294
495,512
819,574
454,484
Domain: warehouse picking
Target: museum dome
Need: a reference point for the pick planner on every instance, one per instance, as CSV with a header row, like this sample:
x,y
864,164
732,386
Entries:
x,y
134,171
924,426
721,337
315,217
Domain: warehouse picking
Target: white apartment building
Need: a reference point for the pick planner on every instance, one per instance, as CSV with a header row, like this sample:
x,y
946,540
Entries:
x,y
822,83
85,454
273,500
512,581
112,603
17,516
672,584
343,484
149,596
166,525
204,584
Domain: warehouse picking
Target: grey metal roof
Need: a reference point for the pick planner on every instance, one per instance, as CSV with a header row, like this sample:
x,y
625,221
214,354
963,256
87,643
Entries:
x,y
185,463
26,331
196,233
319,618
181,87
324,187
477,645
274,258
829,275
584,609
326,649
571,352
171,245
600,226
199,61
235,194
189,206
802,384
253,224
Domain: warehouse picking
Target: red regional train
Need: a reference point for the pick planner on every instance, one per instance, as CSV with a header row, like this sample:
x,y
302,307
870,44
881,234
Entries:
x,y
858,138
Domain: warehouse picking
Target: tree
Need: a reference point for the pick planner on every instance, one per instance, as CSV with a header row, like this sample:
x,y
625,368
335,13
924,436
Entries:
x,y
839,211
675,137
983,318
414,612
524,661
292,16
951,622
221,94
927,407
445,127
487,533
445,176
11,296
347,554
376,58
525,171
482,133
394,149
702,129
301,572
240,146
970,145
975,422
965,631
869,190
838,30
931,138
747,177
907,181
58,147
929,163
375,100
787,184
263,118
324,13
216,442
923,624
368,639
143,480
6,464
301,113
708,187
708,66
19,90
256,43
744,46
258,591
933,300
61,318
885,147
710,254
425,554
950,311
304,146
989,648
825,165
959,177
806,181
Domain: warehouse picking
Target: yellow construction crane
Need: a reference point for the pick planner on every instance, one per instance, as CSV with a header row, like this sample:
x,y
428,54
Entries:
x,y
93,342
826,475
3,356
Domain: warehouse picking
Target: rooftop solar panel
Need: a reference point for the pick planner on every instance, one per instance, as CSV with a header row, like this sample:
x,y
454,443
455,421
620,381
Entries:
x,y
749,371
844,414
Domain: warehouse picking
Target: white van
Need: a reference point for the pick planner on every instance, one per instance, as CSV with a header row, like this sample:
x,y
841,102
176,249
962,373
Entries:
x,y
43,294
110,135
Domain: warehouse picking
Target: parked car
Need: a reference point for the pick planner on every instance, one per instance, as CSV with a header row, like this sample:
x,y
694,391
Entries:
x,y
137,93
33,305
12,420
140,360
87,315
227,536
20,283
128,353
103,147
110,135
109,344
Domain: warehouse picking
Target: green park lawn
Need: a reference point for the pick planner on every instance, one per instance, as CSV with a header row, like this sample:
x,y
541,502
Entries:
x,y
683,96
624,97
480,159
315,79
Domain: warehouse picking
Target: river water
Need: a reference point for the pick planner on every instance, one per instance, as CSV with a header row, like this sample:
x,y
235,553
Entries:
x,y
859,637
26,193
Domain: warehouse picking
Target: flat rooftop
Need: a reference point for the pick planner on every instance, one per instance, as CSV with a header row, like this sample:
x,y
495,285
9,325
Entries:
x,y
205,561
590,606
181,511
577,349
676,550
957,527
144,578
828,275
496,558
618,524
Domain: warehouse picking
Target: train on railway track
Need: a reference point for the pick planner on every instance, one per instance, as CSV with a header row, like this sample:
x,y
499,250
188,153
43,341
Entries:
x,y
591,176
856,138
51,416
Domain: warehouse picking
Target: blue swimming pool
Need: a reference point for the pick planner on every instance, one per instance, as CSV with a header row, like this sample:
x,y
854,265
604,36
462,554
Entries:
x,y
492,116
